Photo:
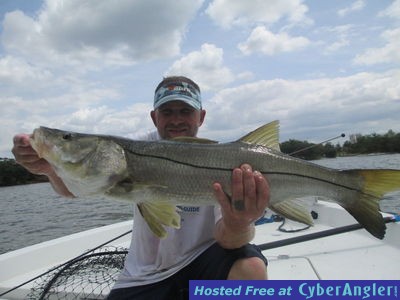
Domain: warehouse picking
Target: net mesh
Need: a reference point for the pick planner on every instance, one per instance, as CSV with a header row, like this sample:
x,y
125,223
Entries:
x,y
86,277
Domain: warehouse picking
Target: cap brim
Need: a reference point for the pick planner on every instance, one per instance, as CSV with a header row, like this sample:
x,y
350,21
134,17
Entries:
x,y
188,100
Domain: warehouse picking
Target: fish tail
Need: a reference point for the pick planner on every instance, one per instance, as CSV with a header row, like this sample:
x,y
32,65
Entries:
x,y
376,183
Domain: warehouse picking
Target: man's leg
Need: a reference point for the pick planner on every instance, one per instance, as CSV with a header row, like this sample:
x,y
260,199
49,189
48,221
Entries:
x,y
246,262
163,290
252,268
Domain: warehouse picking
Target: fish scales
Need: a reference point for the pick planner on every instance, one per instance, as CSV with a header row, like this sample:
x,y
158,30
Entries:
x,y
160,175
190,170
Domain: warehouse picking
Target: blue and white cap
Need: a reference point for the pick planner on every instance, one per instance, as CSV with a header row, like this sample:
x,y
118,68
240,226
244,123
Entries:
x,y
178,91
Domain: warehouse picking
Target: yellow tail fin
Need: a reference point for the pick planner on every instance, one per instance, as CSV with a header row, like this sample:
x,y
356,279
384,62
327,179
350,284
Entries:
x,y
376,183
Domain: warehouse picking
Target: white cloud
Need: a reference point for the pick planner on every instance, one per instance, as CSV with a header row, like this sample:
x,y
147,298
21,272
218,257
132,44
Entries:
x,y
342,33
123,32
205,67
228,13
16,72
387,54
21,115
92,66
41,105
264,41
355,6
48,57
321,107
105,120
41,87
392,11
341,43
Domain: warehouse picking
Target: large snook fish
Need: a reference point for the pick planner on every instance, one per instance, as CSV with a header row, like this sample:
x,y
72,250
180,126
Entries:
x,y
160,175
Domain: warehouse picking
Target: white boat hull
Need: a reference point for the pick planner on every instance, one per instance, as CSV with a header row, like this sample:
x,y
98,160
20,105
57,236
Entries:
x,y
346,256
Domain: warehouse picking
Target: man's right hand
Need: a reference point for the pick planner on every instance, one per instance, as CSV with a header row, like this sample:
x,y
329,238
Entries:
x,y
27,157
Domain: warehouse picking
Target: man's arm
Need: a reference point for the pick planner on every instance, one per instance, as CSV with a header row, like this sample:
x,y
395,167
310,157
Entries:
x,y
250,197
27,157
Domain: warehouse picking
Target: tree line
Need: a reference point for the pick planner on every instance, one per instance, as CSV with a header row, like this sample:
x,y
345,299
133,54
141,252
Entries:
x,y
358,144
12,173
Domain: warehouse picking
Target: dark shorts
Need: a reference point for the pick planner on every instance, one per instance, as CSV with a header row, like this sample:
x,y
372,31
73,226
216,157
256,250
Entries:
x,y
213,264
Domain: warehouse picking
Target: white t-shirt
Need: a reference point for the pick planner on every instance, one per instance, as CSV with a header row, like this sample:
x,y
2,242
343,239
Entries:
x,y
151,259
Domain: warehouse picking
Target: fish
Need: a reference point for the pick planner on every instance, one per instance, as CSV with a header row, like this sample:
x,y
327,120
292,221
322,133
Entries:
x,y
160,176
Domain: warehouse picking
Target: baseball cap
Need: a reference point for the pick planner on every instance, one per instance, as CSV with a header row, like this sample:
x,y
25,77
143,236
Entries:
x,y
177,88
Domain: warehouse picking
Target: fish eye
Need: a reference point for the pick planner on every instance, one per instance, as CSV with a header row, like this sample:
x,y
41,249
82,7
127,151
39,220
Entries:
x,y
67,136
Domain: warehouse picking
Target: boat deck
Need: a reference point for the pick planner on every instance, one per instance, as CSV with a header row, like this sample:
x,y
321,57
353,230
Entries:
x,y
351,255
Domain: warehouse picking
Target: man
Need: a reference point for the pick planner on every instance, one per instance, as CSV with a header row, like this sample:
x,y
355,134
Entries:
x,y
212,242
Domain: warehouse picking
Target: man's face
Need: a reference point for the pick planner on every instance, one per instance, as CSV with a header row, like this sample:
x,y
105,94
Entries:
x,y
176,118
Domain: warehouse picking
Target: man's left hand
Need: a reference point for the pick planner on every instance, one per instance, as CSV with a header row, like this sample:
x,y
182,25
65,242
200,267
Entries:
x,y
250,197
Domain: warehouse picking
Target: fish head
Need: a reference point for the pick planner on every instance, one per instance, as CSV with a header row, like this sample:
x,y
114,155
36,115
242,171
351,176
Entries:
x,y
87,164
59,147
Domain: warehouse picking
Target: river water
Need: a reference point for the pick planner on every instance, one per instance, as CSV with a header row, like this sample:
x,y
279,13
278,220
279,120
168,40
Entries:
x,y
34,213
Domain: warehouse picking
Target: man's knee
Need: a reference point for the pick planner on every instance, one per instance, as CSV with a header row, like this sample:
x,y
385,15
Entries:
x,y
252,268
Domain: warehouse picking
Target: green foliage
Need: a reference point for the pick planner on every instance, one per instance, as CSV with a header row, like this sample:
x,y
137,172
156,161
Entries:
x,y
309,151
361,144
373,143
12,173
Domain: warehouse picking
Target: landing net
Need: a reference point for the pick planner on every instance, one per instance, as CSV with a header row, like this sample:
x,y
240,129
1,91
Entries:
x,y
87,277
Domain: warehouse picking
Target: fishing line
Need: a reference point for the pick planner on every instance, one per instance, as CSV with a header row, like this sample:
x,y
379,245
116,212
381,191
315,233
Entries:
x,y
312,146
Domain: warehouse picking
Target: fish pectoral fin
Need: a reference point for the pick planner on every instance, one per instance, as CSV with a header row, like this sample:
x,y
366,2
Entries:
x,y
294,211
121,187
160,214
266,135
127,186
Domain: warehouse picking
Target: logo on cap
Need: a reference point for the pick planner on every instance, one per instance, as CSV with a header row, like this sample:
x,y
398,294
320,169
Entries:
x,y
181,91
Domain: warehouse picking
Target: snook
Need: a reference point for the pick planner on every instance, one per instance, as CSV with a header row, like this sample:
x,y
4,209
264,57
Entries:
x,y
160,175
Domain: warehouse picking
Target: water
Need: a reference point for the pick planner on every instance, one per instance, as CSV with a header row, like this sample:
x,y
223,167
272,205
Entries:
x,y
391,202
371,161
34,213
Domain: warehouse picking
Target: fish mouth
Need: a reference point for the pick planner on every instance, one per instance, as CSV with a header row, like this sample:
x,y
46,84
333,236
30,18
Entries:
x,y
38,142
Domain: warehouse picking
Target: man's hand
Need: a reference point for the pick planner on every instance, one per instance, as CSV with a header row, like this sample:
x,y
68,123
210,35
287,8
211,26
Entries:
x,y
27,157
250,197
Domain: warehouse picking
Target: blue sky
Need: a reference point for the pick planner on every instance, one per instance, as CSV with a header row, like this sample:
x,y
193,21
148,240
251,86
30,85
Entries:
x,y
320,67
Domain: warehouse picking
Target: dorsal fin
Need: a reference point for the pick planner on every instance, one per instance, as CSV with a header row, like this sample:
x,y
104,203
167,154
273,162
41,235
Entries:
x,y
194,140
266,135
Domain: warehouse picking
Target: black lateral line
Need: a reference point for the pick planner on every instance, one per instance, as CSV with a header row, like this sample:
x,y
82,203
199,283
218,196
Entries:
x,y
230,170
